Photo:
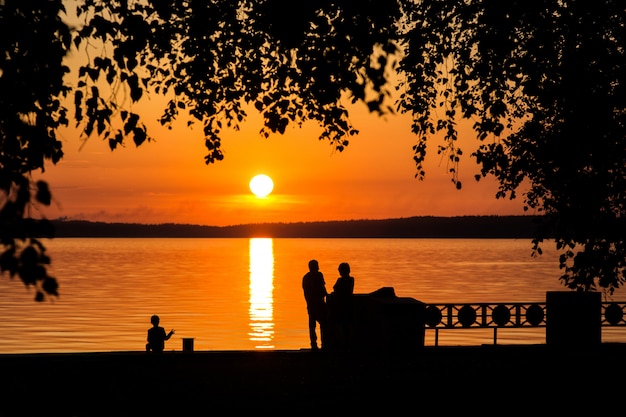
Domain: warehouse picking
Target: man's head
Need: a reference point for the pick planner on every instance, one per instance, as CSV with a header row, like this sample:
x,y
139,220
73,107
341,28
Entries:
x,y
313,265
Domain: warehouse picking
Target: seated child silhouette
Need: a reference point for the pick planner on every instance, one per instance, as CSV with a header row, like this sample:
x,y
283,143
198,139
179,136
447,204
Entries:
x,y
157,336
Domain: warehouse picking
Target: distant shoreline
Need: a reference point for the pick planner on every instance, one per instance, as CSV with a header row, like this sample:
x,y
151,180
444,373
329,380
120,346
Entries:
x,y
484,227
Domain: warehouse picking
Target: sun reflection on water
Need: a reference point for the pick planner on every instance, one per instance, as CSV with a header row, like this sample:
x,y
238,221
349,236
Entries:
x,y
261,292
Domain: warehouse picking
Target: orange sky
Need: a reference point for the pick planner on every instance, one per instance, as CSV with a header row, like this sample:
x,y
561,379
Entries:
x,y
167,181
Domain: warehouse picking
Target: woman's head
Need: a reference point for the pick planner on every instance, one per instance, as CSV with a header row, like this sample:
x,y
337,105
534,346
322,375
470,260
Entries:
x,y
155,320
344,268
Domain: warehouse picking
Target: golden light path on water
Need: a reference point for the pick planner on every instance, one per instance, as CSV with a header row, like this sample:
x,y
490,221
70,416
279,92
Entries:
x,y
261,293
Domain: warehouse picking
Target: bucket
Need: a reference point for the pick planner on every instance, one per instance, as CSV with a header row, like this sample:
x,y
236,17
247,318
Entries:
x,y
187,344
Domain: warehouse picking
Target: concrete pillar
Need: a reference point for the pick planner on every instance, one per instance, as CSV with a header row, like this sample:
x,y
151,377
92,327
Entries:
x,y
573,318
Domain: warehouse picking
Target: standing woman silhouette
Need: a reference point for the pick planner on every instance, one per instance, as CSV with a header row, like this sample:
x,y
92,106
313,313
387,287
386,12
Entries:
x,y
342,306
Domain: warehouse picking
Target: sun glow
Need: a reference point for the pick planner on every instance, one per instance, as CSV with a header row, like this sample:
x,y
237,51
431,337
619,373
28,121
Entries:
x,y
261,185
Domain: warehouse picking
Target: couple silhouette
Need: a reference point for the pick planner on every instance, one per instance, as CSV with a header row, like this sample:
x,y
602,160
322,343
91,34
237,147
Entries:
x,y
333,312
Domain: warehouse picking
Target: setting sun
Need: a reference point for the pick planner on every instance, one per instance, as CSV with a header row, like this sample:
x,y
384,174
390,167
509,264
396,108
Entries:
x,y
261,185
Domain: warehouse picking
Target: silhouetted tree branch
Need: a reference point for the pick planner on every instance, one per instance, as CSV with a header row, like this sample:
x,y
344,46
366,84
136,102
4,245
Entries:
x,y
544,85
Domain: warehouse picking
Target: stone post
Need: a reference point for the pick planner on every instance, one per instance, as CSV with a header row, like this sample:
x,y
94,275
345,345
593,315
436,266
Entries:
x,y
573,318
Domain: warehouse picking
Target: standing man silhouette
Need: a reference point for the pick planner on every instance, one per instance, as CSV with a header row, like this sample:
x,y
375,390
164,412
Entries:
x,y
315,295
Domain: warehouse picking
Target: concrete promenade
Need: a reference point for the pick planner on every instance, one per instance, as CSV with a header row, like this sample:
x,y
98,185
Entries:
x,y
487,380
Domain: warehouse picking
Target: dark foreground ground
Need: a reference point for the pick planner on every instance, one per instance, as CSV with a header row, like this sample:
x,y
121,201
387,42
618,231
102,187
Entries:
x,y
482,380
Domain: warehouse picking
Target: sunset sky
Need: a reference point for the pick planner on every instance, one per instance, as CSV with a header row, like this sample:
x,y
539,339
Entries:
x,y
167,181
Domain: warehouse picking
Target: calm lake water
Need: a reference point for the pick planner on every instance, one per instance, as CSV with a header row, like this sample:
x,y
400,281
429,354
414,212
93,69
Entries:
x,y
245,294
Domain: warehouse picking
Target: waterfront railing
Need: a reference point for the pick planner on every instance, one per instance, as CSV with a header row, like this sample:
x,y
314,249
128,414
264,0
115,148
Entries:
x,y
439,317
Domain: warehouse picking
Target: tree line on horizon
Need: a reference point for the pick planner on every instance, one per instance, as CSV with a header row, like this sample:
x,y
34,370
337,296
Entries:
x,y
409,227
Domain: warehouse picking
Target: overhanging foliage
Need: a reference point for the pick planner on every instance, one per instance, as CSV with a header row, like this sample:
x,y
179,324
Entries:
x,y
542,83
